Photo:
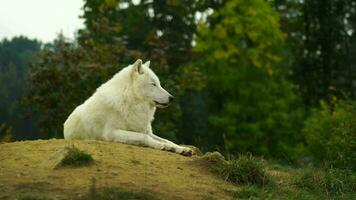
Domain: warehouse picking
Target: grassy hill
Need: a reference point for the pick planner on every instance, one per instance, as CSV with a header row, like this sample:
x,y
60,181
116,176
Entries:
x,y
27,168
34,170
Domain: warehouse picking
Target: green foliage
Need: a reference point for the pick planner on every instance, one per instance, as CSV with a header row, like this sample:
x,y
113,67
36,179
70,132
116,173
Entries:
x,y
322,38
76,157
147,26
15,56
331,182
263,117
251,103
242,33
246,169
113,193
331,134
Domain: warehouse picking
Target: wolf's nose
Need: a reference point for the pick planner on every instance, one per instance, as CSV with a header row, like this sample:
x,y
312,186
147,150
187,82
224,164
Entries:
x,y
171,98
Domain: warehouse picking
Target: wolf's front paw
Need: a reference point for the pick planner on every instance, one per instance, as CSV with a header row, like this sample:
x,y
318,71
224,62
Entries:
x,y
185,151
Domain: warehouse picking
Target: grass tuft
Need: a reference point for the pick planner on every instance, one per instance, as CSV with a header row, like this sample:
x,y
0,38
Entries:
x,y
246,169
76,157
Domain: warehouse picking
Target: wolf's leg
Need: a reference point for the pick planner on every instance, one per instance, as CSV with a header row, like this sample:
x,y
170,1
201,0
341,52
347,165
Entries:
x,y
149,131
161,139
135,138
178,149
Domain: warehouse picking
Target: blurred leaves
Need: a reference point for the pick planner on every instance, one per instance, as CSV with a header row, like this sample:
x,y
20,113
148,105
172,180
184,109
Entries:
x,y
252,104
331,134
15,56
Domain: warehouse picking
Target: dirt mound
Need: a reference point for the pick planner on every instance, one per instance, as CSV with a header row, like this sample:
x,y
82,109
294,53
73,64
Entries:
x,y
28,168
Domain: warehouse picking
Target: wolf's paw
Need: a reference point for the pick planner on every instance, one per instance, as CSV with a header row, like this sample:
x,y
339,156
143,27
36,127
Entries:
x,y
186,151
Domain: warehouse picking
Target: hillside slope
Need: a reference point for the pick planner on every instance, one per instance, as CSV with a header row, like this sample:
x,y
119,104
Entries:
x,y
26,168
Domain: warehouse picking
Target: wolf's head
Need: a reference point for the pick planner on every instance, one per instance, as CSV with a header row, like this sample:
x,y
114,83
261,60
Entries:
x,y
146,85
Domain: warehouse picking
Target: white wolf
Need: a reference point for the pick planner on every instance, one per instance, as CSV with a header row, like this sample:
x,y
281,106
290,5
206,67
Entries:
x,y
122,109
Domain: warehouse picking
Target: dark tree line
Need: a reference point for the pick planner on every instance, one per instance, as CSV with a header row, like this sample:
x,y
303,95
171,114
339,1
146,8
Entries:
x,y
15,56
321,35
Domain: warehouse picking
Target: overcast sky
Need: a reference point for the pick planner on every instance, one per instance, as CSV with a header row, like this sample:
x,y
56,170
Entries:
x,y
40,19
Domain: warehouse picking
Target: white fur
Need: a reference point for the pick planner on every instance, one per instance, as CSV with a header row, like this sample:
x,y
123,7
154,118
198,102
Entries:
x,y
122,109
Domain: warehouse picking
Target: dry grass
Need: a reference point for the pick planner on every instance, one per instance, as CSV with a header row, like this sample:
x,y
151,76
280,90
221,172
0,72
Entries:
x,y
166,175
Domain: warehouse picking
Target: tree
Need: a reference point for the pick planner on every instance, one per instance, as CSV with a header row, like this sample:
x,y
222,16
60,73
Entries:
x,y
15,56
320,37
330,133
251,104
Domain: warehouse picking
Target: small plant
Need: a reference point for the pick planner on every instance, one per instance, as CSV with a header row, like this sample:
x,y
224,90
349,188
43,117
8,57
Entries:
x,y
76,157
246,169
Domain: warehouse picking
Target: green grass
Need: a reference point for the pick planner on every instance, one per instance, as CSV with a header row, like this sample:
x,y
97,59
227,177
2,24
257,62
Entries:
x,y
258,179
331,182
76,157
246,169
247,192
273,193
303,184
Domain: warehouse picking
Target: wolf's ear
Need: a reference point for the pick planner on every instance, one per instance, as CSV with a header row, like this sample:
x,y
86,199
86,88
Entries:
x,y
137,66
147,63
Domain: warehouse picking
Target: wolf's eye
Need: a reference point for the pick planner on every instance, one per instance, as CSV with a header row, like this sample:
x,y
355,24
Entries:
x,y
154,84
